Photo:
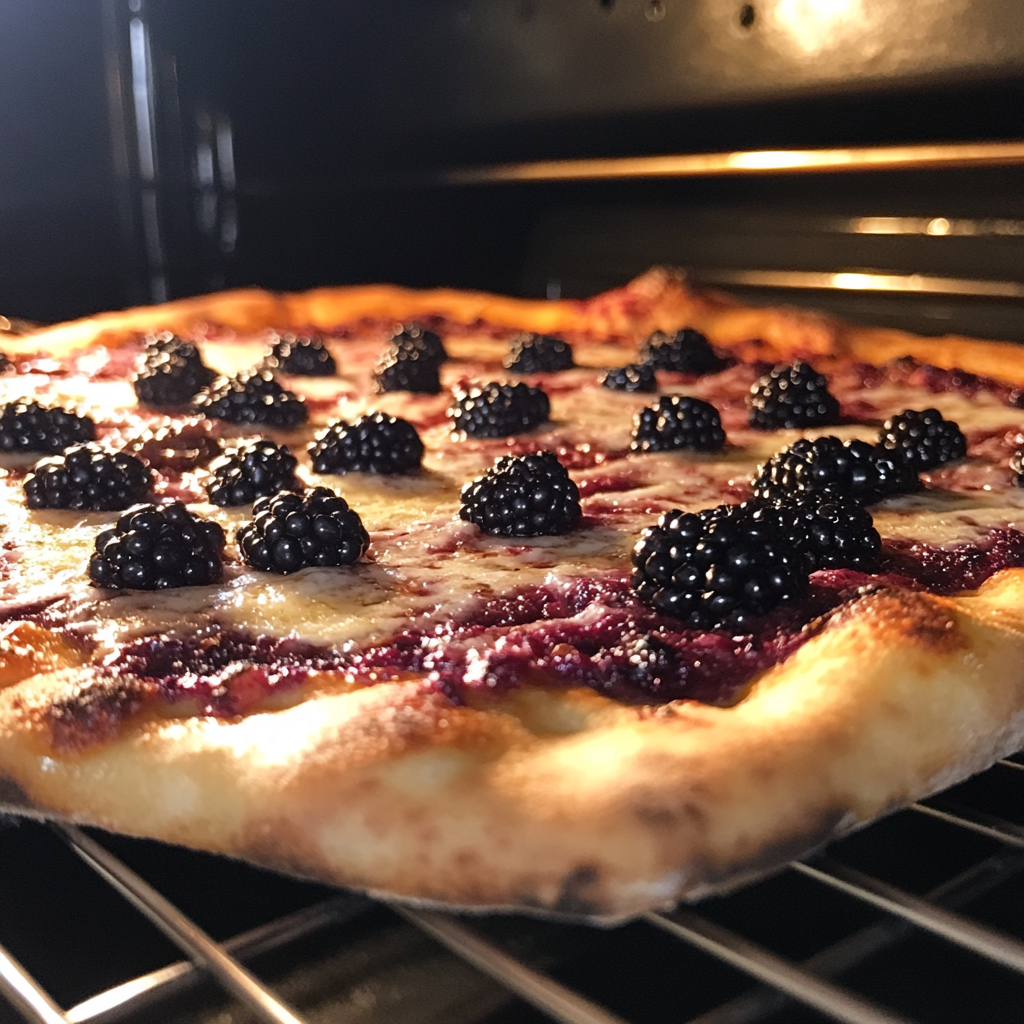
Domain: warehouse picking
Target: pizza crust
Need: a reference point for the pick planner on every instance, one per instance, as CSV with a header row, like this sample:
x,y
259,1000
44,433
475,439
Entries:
x,y
658,300
559,802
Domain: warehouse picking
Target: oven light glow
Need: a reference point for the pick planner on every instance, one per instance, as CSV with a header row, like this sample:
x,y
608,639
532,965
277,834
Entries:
x,y
816,24
772,159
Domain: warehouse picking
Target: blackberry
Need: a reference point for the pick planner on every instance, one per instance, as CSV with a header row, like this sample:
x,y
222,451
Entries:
x,y
687,351
718,569
858,470
88,476
255,397
1017,466
375,443
538,353
792,396
427,343
635,377
153,547
291,532
832,531
925,439
522,496
300,354
31,427
173,373
678,422
499,410
253,470
411,363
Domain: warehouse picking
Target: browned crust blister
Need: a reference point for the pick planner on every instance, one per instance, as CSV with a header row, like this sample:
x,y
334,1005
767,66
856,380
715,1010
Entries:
x,y
545,801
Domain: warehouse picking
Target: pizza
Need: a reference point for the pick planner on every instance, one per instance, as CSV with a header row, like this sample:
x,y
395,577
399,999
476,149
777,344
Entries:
x,y
567,607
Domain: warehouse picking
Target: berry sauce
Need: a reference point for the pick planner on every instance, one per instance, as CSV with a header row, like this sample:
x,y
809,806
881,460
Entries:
x,y
222,674
589,631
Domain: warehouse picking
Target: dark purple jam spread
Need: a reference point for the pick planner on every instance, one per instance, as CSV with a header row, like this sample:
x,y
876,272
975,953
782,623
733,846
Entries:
x,y
907,370
590,631
225,673
951,570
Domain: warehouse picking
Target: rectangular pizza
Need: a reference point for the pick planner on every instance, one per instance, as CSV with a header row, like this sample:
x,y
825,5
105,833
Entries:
x,y
573,607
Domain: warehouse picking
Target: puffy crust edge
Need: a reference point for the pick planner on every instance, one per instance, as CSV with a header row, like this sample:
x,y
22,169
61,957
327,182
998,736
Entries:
x,y
658,300
902,695
563,802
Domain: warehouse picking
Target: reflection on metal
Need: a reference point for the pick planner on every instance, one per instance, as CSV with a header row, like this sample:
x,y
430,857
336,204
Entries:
x,y
183,932
559,1002
225,153
814,25
772,969
24,992
142,93
868,158
935,226
131,996
862,282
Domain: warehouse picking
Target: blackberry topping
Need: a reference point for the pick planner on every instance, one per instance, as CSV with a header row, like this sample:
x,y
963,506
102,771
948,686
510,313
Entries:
x,y
499,410
427,343
925,439
291,532
252,398
152,547
635,377
375,443
5,363
863,472
687,351
252,470
538,353
31,427
173,373
717,569
792,396
831,530
88,476
302,355
522,496
411,363
678,422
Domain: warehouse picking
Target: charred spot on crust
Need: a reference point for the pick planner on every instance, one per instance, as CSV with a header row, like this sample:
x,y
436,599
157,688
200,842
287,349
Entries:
x,y
12,796
94,711
912,616
573,896
824,826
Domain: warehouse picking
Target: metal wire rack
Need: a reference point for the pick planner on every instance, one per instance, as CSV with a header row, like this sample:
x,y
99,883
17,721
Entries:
x,y
894,916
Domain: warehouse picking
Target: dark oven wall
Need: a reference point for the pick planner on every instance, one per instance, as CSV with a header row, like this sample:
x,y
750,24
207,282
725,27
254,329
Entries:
x,y
168,147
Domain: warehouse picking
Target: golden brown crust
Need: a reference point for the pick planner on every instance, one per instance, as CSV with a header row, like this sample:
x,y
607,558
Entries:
x,y
659,300
562,802
392,789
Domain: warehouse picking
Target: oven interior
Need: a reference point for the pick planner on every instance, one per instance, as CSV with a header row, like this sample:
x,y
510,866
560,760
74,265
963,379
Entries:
x,y
159,149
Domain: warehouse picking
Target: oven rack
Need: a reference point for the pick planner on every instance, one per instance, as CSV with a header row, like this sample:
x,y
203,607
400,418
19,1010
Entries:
x,y
783,982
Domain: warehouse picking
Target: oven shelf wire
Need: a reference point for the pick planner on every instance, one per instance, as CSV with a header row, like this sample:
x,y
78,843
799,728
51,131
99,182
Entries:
x,y
25,993
116,1003
854,949
806,982
181,930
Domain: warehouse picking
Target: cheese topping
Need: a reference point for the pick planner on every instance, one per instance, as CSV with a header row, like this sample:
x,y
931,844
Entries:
x,y
425,565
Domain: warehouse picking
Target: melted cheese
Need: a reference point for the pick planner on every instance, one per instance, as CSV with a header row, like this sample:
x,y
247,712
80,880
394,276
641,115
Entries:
x,y
425,565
